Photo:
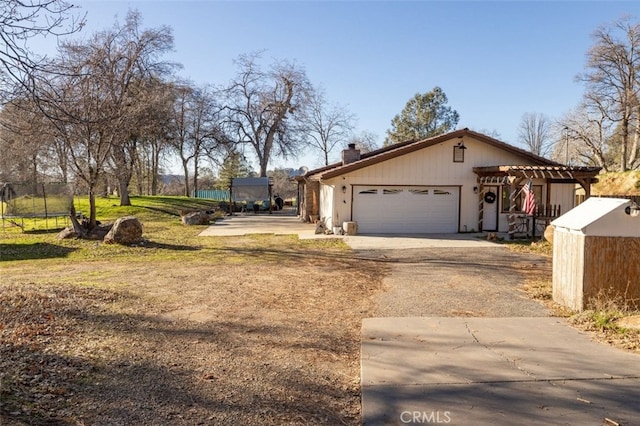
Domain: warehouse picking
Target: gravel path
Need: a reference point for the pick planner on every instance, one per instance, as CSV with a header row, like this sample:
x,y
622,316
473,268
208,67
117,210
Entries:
x,y
484,282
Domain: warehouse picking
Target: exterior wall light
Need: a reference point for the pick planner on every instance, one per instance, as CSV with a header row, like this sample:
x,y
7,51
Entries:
x,y
344,189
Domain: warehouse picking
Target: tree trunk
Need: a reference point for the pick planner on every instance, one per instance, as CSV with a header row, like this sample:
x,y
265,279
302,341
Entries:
x,y
195,175
92,209
123,186
185,169
625,144
140,172
77,228
633,154
155,160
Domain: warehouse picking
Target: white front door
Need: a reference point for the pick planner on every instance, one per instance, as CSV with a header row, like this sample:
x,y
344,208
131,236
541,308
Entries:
x,y
490,208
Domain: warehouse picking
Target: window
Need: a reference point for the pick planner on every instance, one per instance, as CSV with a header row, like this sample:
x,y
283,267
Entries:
x,y
391,191
368,191
458,153
440,192
506,204
419,191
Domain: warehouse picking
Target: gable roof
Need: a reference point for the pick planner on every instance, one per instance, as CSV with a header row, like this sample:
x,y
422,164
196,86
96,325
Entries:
x,y
403,148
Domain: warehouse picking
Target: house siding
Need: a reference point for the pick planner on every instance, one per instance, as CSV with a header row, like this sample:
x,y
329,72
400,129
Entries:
x,y
432,166
327,214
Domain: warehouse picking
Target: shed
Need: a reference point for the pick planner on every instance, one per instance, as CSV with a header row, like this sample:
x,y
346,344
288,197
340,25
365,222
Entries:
x,y
250,189
251,193
594,253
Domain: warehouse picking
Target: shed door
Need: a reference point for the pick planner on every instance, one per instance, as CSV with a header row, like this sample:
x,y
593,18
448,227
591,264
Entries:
x,y
406,209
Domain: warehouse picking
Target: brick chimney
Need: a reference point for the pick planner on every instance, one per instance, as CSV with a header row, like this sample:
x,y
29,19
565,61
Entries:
x,y
350,154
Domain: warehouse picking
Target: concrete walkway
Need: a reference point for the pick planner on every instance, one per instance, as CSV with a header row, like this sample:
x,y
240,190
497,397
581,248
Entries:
x,y
486,371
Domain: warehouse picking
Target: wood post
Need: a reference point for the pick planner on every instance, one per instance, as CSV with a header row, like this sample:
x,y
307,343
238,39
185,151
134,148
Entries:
x,y
513,187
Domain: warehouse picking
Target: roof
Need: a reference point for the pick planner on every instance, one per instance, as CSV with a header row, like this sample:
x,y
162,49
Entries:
x,y
403,148
252,181
600,217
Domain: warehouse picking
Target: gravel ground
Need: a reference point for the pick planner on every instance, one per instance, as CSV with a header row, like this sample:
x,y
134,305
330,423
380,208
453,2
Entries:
x,y
484,282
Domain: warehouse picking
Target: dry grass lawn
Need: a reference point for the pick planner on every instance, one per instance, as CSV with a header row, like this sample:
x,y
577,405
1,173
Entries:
x,y
251,330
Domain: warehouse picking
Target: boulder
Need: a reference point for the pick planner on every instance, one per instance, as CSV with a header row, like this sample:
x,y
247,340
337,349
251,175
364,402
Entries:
x,y
197,218
126,230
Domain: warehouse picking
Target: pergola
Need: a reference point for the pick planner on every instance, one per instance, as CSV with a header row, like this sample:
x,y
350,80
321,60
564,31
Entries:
x,y
515,175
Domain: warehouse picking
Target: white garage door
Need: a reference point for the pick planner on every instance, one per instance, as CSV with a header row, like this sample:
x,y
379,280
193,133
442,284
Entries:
x,y
411,209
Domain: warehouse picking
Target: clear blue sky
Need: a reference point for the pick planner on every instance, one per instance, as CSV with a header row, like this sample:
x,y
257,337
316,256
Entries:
x,y
494,60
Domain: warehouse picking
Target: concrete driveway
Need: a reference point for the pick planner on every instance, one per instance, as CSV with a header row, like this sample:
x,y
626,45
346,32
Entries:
x,y
284,224
493,371
455,341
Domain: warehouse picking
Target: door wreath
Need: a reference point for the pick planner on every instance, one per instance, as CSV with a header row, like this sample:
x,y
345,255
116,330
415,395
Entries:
x,y
490,197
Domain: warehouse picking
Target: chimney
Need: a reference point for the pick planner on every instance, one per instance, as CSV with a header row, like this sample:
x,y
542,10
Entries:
x,y
351,154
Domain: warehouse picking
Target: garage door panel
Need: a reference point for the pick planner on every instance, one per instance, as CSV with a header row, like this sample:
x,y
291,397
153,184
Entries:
x,y
379,209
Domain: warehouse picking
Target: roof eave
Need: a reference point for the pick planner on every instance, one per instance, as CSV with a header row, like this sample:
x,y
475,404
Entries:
x,y
403,148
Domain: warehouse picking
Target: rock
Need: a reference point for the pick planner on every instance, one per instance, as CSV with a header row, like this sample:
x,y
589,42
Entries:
x,y
126,230
320,228
197,218
548,233
67,233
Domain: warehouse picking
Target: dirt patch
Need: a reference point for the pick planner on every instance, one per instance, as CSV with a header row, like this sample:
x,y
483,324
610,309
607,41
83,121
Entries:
x,y
269,341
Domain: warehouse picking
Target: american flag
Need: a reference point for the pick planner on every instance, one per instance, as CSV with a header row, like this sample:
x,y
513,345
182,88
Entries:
x,y
529,204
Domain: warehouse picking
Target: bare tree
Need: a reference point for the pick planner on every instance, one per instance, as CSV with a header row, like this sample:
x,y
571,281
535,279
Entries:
x,y
77,112
153,136
21,21
534,133
21,142
263,107
365,141
92,98
283,185
612,80
194,128
327,125
584,134
130,69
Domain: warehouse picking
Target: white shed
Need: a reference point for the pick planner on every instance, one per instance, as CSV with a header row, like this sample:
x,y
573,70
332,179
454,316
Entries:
x,y
594,253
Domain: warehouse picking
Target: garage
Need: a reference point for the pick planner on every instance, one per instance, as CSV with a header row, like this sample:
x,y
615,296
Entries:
x,y
406,209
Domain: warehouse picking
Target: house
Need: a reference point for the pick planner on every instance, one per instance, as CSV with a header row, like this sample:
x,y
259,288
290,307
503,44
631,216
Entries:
x,y
461,181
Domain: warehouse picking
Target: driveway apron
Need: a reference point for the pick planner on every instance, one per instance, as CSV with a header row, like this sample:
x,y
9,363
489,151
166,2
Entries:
x,y
455,341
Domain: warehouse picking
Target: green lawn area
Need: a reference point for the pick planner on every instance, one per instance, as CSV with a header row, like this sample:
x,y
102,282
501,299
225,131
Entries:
x,y
160,217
